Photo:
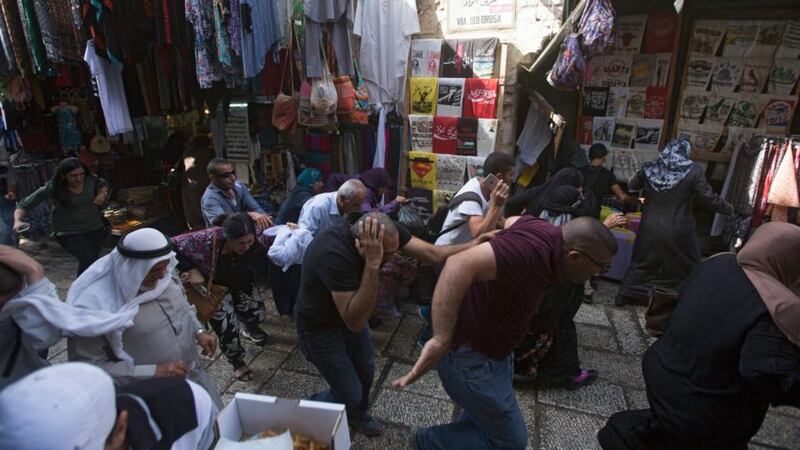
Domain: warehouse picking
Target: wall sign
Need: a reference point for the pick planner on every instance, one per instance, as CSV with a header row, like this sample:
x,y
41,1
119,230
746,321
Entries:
x,y
480,14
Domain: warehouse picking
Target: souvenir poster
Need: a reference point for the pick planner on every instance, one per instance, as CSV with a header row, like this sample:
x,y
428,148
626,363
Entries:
x,y
423,170
655,103
719,108
660,34
444,135
637,98
790,41
451,97
593,74
421,132
661,77
754,75
746,111
595,101
707,36
425,56
739,37
456,59
643,70
783,76
628,33
738,136
617,103
624,131
467,136
684,130
487,136
442,198
423,95
422,199
704,138
480,99
693,104
625,164
602,129
616,70
648,134
450,171
483,51
699,70
475,166
767,39
727,73
585,124
778,113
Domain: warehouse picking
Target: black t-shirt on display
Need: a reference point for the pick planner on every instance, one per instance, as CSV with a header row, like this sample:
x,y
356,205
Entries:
x,y
331,263
597,180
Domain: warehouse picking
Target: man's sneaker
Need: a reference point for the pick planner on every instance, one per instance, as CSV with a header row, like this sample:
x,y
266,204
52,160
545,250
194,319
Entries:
x,y
424,335
425,313
585,378
255,334
367,426
412,438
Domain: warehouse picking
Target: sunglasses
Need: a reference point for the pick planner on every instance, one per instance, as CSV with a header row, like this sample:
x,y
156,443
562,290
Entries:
x,y
225,174
603,267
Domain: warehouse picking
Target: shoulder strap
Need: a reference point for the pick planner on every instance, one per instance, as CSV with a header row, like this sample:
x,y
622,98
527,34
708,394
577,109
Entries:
x,y
213,259
457,200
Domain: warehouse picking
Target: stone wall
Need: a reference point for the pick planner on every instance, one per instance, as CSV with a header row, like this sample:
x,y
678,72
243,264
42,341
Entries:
x,y
536,20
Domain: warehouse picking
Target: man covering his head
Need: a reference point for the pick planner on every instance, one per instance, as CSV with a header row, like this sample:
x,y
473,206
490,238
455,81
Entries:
x,y
137,278
75,406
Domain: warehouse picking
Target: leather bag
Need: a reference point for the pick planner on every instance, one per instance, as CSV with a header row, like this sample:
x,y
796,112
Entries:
x,y
207,298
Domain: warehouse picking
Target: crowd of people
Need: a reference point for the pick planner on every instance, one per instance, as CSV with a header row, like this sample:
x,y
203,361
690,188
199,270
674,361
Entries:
x,y
512,272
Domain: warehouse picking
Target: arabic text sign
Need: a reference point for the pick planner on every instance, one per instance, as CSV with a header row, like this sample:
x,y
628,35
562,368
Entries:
x,y
480,14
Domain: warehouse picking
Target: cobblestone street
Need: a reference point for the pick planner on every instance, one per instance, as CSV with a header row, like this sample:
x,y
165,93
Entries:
x,y
611,341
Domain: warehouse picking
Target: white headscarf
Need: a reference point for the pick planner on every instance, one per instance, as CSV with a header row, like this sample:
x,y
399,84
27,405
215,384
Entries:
x,y
66,406
114,282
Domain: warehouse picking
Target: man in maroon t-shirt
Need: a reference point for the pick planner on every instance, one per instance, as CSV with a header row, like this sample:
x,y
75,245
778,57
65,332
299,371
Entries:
x,y
501,284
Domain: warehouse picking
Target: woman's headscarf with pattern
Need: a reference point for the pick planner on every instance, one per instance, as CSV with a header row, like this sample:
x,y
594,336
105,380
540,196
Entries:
x,y
671,167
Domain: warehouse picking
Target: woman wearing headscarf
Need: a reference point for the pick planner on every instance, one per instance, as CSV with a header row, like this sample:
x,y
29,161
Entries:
x,y
309,184
666,248
531,201
230,255
730,351
549,352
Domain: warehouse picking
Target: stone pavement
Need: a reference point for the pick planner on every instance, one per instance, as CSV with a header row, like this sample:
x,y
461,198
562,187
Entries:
x,y
611,340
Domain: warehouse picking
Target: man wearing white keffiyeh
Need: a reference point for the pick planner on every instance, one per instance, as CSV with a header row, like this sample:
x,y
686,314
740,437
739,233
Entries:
x,y
138,278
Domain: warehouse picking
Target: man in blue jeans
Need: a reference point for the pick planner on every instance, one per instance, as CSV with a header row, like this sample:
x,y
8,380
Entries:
x,y
338,294
501,284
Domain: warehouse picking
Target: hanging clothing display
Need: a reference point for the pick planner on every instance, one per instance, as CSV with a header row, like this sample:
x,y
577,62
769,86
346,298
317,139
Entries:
x,y
16,35
30,27
260,33
318,152
200,14
337,13
47,28
111,90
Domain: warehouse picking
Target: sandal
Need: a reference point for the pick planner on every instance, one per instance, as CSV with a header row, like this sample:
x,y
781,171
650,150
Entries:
x,y
243,373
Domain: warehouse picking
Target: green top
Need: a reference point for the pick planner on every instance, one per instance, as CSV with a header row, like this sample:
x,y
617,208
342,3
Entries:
x,y
80,216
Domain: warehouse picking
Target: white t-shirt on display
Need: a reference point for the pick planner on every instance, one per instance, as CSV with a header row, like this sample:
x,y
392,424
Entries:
x,y
111,90
462,213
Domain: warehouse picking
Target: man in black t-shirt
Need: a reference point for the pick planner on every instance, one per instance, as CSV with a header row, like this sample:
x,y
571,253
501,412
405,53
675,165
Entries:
x,y
600,181
338,294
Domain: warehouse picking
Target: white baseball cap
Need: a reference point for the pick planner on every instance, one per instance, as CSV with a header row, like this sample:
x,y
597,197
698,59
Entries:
x,y
66,406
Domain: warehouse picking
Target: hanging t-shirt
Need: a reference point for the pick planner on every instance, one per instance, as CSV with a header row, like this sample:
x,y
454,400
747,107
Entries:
x,y
444,135
111,90
425,57
457,58
467,136
451,97
421,132
483,51
385,28
260,32
480,99
487,136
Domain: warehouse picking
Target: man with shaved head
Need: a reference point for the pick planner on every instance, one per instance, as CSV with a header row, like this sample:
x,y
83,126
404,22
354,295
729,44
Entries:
x,y
482,308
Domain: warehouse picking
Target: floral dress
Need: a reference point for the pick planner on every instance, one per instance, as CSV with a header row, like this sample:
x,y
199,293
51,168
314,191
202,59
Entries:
x,y
200,13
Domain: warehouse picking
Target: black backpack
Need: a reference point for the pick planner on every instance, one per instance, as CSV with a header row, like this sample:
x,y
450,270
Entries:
x,y
436,222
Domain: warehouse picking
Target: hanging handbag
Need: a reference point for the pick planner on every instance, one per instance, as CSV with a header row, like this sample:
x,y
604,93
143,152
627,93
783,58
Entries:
x,y
284,112
323,91
361,110
660,307
207,299
568,69
596,27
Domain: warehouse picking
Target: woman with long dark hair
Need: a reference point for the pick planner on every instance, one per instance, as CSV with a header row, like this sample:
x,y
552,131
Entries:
x,y
78,197
230,254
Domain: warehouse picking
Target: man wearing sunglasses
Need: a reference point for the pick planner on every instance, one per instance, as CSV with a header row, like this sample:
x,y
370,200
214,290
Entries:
x,y
483,305
225,195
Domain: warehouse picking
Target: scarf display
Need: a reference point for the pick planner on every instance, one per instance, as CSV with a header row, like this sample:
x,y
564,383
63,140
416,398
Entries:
x,y
671,167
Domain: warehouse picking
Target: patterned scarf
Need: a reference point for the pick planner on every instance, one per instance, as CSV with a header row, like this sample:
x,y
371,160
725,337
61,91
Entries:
x,y
671,167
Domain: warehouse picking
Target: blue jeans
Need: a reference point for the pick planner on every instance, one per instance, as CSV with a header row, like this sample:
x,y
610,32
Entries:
x,y
482,386
346,361
7,235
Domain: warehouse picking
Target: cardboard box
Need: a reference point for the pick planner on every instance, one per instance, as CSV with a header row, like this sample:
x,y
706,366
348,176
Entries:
x,y
249,414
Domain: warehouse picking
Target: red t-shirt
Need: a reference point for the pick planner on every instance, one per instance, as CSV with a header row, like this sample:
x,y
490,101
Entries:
x,y
480,98
495,315
444,135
